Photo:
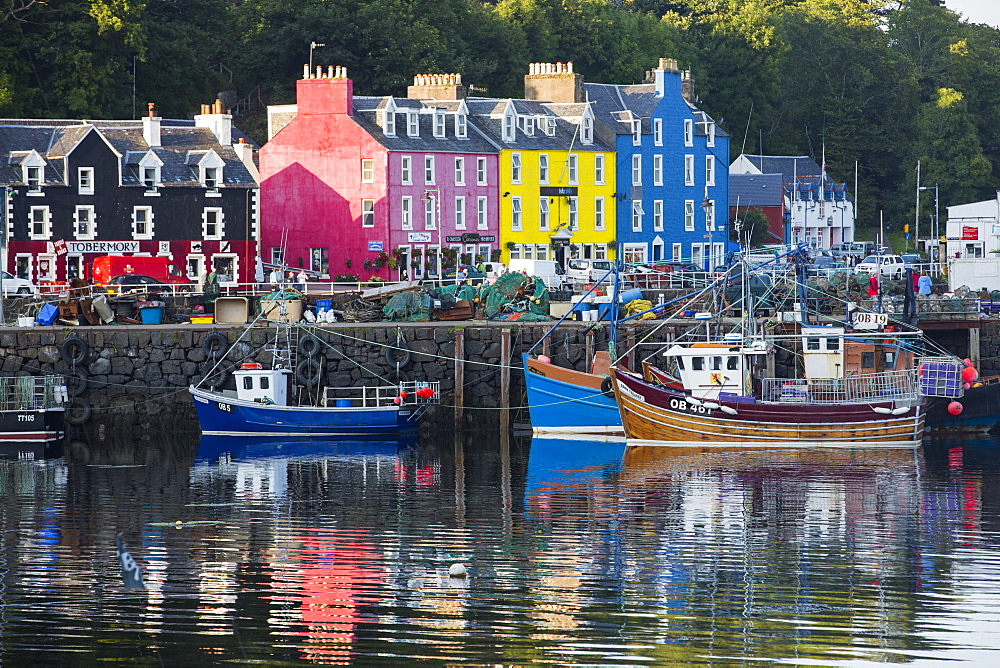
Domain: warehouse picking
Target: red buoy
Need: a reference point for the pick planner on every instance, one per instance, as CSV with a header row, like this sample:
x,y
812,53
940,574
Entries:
x,y
955,408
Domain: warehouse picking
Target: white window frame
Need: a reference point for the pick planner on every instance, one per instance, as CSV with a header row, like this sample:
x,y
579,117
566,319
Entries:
x,y
91,224
429,170
482,171
710,216
528,125
460,212
543,213
439,123
658,215
460,171
636,132
658,132
637,214
677,252
658,169
710,140
599,213
599,169
46,260
516,168
688,132
430,213
689,215
85,180
74,260
541,251
146,213
573,168
461,126
150,177
709,170
515,252
406,212
204,223
406,170
367,170
586,131
509,127
412,124
367,213
390,121
637,169
482,212
600,251
211,177
516,214
39,215
543,167
689,170
574,213
34,178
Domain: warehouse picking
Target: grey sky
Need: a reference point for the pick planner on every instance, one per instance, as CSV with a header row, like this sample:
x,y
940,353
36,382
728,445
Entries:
x,y
977,11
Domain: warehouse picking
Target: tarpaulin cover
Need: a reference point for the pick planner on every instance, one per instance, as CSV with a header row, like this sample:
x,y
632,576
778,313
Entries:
x,y
638,306
408,307
514,296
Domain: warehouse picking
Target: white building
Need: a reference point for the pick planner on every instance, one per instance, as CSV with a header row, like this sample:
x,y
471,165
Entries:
x,y
973,230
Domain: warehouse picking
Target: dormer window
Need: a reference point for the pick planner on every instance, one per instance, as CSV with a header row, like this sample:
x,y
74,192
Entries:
x,y
711,134
508,127
461,126
390,123
150,178
212,178
33,177
210,167
548,125
587,130
688,132
85,180
149,172
528,125
412,124
636,132
438,123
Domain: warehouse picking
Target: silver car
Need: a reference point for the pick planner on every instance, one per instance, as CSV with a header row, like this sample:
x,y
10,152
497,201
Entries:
x,y
891,266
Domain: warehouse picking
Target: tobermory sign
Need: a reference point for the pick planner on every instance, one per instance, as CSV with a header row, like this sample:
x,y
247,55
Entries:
x,y
102,247
557,191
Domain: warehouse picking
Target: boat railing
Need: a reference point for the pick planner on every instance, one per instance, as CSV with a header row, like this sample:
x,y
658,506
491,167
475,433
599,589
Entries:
x,y
900,386
32,393
409,393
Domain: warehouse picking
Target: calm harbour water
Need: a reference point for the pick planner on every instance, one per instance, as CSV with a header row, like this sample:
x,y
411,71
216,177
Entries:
x,y
577,553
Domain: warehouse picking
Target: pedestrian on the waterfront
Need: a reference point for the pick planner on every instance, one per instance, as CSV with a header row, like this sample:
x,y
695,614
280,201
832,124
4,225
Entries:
x,y
275,279
300,280
924,284
916,281
462,274
873,286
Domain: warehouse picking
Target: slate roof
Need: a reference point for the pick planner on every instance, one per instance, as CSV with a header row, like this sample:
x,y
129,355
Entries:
x,y
487,114
611,102
54,139
789,166
756,190
365,114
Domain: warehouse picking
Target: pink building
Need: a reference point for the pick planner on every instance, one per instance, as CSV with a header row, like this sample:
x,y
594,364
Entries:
x,y
377,186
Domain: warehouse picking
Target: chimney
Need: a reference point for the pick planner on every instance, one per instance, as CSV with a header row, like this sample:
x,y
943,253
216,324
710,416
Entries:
x,y
151,126
659,76
329,92
437,87
213,118
244,152
687,87
553,82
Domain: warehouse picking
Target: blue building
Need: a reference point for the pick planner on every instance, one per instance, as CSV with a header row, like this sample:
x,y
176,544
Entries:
x,y
672,164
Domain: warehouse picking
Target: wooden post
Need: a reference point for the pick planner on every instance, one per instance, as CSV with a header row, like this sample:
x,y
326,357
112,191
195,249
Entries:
x,y
545,346
459,378
460,478
588,346
630,341
974,352
504,380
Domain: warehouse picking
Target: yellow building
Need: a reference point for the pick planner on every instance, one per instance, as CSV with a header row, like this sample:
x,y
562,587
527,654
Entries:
x,y
557,178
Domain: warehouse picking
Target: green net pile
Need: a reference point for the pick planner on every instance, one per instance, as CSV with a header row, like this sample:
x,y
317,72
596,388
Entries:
x,y
514,296
408,307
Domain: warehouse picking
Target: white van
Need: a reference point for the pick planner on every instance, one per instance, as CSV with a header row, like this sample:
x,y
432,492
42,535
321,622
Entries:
x,y
550,271
588,271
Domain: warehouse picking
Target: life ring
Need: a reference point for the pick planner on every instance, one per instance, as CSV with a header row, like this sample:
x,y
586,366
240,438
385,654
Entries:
x,y
398,356
215,344
78,410
396,377
308,372
310,345
607,389
74,350
77,382
214,375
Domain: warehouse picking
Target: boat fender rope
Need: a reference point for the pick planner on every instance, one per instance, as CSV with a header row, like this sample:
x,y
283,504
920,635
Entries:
x,y
606,388
77,382
309,345
215,344
308,372
74,350
78,410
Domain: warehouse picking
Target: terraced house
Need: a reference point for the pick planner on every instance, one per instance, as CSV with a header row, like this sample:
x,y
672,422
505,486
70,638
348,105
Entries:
x,y
671,165
557,180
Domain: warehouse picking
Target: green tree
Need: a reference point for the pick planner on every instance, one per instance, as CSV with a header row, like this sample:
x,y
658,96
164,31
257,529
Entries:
x,y
749,228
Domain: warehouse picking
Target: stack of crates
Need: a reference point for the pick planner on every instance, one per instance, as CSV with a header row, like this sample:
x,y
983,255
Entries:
x,y
940,376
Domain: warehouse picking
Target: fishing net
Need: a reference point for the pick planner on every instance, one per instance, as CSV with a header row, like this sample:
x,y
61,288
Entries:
x,y
514,296
408,307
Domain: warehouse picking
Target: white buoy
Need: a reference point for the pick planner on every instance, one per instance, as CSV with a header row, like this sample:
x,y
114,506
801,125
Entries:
x,y
457,571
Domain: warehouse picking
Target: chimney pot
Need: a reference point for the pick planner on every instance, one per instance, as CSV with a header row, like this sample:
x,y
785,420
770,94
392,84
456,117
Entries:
x,y
344,71
569,67
329,72
305,71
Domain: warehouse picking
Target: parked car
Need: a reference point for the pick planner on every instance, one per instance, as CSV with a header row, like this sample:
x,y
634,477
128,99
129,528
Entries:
x,y
127,283
915,261
824,266
12,285
473,275
588,271
891,266
668,267
858,249
550,271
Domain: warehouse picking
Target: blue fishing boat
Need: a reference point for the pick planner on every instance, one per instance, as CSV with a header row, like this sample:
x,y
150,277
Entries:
x,y
213,448
562,400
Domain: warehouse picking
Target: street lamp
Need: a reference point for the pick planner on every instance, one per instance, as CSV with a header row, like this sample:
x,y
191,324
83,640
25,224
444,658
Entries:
x,y
706,205
937,237
312,45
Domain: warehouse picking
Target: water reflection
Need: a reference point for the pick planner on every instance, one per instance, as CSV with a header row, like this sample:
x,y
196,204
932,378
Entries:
x,y
579,552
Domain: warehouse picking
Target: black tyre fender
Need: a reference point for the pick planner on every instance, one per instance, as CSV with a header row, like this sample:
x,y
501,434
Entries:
x,y
214,375
78,410
74,350
398,356
607,389
77,381
396,377
310,345
215,344
308,372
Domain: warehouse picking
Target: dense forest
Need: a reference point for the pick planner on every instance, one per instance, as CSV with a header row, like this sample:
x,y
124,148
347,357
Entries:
x,y
879,83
